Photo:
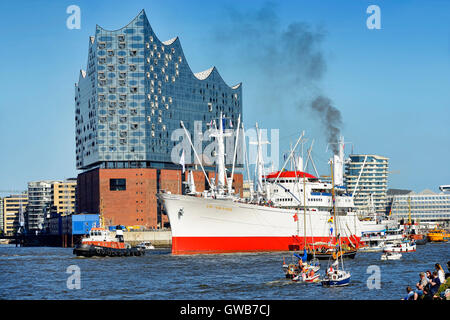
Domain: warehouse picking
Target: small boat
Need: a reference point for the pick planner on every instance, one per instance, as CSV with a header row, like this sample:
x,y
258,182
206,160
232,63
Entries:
x,y
145,246
326,253
304,277
100,243
404,246
371,247
438,235
336,277
391,256
292,270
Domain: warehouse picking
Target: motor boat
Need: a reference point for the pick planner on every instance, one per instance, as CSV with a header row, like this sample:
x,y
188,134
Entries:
x,y
391,256
145,246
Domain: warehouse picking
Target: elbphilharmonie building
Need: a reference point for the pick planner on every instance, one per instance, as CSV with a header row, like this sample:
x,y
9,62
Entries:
x,y
133,94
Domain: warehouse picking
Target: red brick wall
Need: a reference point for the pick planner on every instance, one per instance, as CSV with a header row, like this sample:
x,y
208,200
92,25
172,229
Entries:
x,y
199,180
170,180
134,206
238,183
87,195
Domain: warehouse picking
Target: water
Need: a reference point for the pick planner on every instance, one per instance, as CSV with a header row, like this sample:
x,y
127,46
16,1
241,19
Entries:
x,y
40,273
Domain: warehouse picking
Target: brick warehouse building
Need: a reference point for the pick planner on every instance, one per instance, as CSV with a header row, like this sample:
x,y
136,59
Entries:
x,y
128,101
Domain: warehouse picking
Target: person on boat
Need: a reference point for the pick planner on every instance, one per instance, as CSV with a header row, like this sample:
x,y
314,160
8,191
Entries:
x,y
311,273
301,267
440,271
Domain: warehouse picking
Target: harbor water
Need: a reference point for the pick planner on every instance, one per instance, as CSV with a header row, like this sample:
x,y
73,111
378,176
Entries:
x,y
47,273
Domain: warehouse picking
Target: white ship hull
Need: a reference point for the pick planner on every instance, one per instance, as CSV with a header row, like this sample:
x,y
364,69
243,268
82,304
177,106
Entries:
x,y
205,225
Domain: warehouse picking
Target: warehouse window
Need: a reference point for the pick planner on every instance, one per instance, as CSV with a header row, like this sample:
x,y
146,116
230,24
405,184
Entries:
x,y
117,184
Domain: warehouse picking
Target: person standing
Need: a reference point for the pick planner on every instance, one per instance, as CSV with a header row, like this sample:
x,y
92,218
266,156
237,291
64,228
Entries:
x,y
440,271
444,288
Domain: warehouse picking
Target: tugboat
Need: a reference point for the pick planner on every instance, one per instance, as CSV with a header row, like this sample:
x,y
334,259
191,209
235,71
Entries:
x,y
100,243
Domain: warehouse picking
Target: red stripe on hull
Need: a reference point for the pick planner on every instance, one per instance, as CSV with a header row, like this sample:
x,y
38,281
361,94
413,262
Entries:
x,y
193,245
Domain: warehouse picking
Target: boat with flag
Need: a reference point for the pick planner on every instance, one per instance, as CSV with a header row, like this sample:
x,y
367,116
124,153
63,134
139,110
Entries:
x,y
336,275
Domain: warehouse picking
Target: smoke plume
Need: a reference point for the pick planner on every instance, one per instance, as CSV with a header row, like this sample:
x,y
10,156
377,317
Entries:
x,y
331,119
289,59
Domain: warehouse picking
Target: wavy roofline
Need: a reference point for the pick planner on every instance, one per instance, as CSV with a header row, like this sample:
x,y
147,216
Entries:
x,y
170,41
142,11
202,75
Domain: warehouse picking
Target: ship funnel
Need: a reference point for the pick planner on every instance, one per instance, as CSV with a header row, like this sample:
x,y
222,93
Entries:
x,y
191,183
300,164
338,164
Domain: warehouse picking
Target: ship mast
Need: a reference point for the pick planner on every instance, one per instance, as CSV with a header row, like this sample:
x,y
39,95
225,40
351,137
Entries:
x,y
339,253
259,163
220,157
230,182
409,214
304,208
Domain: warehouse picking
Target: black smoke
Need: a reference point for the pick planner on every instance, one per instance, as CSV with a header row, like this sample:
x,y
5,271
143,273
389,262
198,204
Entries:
x,y
331,119
289,59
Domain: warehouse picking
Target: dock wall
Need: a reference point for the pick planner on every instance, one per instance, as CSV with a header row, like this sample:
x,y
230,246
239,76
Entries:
x,y
159,238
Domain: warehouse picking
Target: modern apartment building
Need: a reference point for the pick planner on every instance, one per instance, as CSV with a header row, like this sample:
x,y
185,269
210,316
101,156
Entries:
x,y
63,197
39,204
13,207
366,176
128,104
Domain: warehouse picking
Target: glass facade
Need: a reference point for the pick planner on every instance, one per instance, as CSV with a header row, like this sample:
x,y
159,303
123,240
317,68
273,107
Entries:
x,y
425,207
39,203
134,93
369,184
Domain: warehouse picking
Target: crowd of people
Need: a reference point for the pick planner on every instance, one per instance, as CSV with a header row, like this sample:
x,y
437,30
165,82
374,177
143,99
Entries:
x,y
431,286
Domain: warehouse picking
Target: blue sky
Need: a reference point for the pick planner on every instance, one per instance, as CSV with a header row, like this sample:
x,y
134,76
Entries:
x,y
390,85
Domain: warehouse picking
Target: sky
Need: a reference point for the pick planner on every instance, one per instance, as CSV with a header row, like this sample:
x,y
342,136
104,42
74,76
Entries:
x,y
390,86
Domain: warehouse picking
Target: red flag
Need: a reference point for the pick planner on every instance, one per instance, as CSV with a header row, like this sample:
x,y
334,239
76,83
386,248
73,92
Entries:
x,y
295,217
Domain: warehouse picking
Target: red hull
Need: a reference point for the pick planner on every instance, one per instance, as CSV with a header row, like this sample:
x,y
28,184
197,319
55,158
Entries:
x,y
195,245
